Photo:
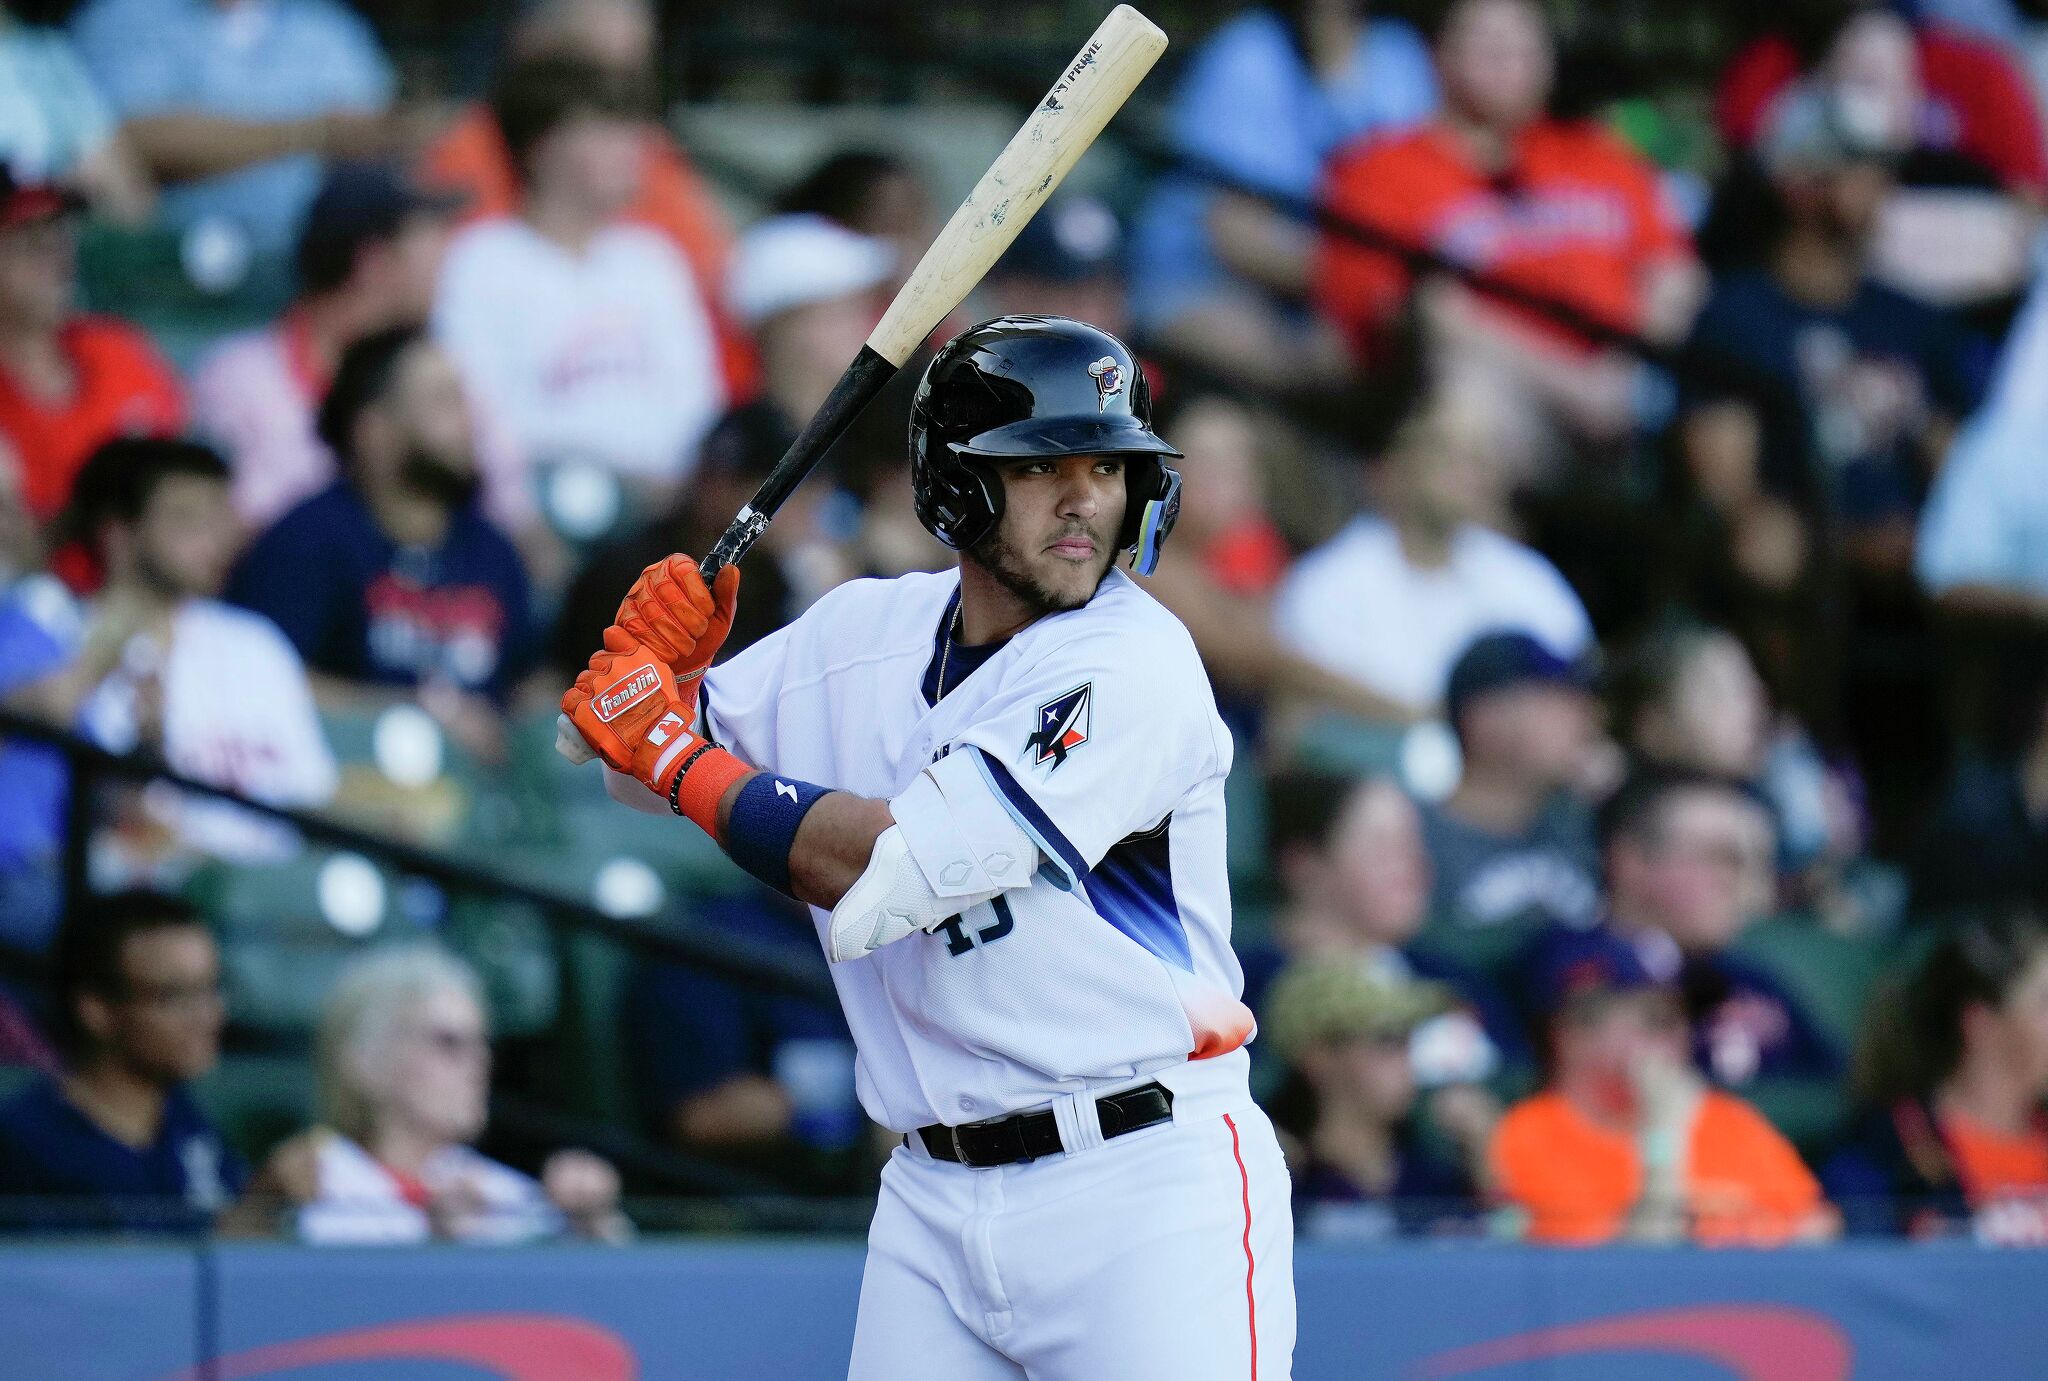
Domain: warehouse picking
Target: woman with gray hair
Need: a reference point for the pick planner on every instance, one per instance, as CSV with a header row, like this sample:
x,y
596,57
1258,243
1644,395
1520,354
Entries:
x,y
403,1065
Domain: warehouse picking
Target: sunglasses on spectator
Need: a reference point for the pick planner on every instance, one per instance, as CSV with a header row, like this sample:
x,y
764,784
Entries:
x,y
453,1043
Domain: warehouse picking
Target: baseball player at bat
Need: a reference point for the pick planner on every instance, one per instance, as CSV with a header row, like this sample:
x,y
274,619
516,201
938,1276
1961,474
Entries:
x,y
1000,790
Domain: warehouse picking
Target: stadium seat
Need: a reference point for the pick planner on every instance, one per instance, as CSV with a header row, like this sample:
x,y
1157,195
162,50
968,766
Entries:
x,y
258,1100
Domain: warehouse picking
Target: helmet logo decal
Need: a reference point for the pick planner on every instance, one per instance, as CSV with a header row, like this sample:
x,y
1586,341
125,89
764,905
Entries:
x,y
1109,380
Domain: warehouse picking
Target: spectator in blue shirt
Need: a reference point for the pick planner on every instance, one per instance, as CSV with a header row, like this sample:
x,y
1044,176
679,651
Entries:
x,y
39,627
726,1069
392,578
1220,274
233,103
117,1141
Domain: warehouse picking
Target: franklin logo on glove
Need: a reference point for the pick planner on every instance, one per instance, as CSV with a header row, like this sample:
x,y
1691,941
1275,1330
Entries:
x,y
626,693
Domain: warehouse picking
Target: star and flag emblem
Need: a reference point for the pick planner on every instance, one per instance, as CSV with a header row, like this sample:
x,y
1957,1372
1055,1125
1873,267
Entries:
x,y
1062,726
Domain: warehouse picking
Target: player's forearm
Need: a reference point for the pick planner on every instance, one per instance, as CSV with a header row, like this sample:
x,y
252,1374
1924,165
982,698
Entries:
x,y
833,842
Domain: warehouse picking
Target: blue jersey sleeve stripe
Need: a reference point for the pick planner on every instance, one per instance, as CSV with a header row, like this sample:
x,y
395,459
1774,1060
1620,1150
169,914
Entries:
x,y
1132,889
1060,853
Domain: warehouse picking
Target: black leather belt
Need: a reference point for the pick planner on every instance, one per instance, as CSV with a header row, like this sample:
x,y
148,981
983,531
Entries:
x,y
1029,1135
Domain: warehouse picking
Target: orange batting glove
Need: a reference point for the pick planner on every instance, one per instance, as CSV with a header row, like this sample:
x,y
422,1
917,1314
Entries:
x,y
672,614
627,707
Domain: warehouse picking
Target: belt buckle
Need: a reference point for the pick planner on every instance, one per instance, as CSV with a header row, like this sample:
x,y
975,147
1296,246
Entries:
x,y
958,1149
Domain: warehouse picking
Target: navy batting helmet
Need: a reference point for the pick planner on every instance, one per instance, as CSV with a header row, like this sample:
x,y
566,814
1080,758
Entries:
x,y
1035,386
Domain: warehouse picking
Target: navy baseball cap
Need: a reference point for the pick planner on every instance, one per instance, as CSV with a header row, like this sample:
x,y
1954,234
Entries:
x,y
1070,241
1585,963
359,203
1497,661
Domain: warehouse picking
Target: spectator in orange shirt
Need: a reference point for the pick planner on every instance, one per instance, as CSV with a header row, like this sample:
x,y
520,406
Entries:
x,y
1956,1067
1626,1141
1495,186
618,35
67,382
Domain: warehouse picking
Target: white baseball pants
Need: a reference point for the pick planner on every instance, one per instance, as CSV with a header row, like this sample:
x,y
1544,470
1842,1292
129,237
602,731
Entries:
x,y
1167,1253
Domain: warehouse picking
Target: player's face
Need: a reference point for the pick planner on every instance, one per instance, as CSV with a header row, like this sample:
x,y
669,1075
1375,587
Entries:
x,y
1057,538
1495,60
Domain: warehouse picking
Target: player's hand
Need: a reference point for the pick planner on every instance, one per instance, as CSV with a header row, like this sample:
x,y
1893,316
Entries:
x,y
627,708
670,612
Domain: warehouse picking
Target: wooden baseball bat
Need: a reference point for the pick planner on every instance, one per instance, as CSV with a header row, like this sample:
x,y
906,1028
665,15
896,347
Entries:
x,y
1093,88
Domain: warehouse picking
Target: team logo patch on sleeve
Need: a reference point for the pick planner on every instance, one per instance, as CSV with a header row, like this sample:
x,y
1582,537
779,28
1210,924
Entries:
x,y
1062,726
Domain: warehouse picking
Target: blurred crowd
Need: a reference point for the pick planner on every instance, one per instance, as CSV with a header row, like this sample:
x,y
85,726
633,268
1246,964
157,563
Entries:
x,y
1616,528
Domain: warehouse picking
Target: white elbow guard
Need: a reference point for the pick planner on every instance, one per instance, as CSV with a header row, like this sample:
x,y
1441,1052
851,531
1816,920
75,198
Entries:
x,y
951,848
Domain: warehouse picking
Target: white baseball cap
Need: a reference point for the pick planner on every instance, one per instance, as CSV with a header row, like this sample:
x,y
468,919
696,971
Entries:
x,y
793,261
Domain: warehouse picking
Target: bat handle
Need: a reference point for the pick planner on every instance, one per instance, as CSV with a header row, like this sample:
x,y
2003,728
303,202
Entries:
x,y
737,539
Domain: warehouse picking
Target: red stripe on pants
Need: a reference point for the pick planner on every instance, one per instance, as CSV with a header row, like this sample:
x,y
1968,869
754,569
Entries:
x,y
1251,1302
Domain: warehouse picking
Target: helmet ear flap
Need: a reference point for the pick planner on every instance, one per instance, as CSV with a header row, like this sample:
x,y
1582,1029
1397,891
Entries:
x,y
980,501
1155,519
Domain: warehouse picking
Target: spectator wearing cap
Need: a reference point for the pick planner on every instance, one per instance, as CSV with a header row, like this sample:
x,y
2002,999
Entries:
x,y
231,106
55,124
391,582
67,381
735,457
1512,846
1624,1141
1688,864
1364,1171
116,1140
162,664
367,258
1068,260
1392,599
1954,1069
1493,184
470,157
1219,275
1356,885
811,291
606,356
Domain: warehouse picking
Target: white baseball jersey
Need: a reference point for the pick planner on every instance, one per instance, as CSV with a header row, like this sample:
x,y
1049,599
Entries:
x,y
1096,731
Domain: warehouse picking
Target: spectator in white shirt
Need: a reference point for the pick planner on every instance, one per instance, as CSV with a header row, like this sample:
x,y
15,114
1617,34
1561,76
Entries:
x,y
583,332
1393,598
218,691
404,1069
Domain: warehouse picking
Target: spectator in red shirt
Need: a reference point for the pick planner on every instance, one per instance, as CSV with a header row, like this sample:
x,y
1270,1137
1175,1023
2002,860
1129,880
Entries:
x,y
1556,207
67,382
1948,94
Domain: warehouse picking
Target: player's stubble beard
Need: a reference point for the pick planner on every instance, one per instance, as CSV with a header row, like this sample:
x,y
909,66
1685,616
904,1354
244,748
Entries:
x,y
1000,557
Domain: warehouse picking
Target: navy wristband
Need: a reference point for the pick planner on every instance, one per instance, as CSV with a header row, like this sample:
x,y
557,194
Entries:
x,y
763,825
